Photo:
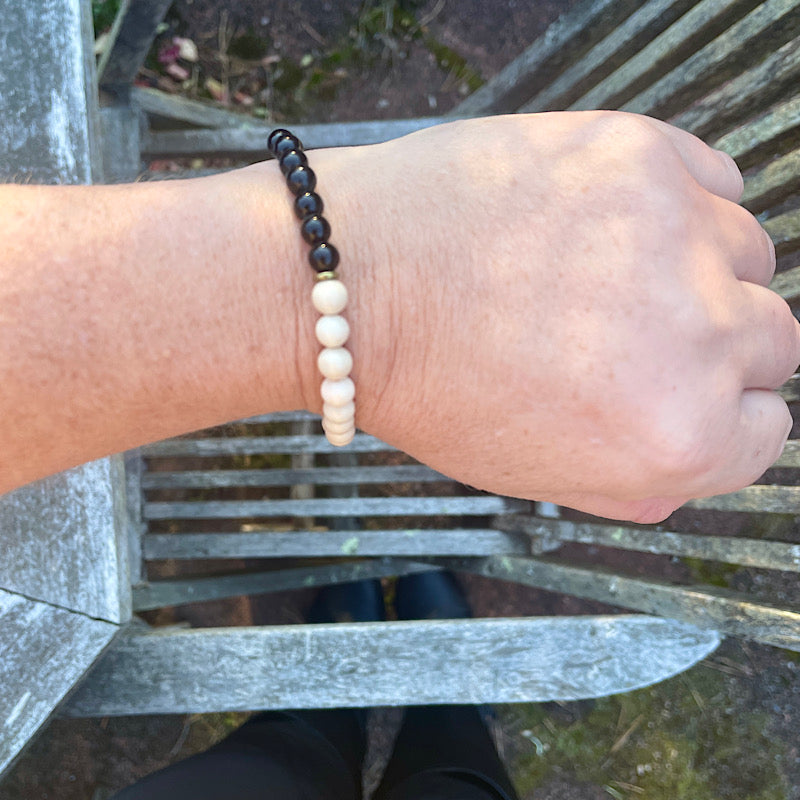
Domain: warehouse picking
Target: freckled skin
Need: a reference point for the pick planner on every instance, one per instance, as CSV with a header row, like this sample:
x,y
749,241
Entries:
x,y
600,337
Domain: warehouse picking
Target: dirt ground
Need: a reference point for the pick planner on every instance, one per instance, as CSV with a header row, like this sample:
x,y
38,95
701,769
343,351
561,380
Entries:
x,y
725,730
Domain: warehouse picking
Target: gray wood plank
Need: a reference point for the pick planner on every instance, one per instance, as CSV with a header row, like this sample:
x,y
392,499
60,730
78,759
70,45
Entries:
x,y
790,392
661,55
45,651
255,445
387,663
274,544
49,130
717,61
251,141
358,506
320,476
616,48
706,606
132,34
791,452
64,540
747,552
191,112
759,138
787,284
732,103
558,47
760,499
773,184
160,594
784,231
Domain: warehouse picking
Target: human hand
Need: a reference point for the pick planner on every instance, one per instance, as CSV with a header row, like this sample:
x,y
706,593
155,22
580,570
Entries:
x,y
567,307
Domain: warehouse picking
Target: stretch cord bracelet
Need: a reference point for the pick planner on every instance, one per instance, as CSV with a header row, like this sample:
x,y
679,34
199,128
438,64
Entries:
x,y
329,294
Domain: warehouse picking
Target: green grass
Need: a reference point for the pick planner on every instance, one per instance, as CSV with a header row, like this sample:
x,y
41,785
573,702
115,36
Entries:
x,y
688,737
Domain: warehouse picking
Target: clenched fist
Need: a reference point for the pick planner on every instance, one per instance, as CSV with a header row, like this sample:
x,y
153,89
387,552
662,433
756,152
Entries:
x,y
567,306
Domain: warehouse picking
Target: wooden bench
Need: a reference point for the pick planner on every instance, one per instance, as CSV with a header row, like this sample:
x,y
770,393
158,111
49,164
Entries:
x,y
272,488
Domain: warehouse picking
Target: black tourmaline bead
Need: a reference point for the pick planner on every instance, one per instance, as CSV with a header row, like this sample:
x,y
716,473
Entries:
x,y
324,257
278,133
287,143
308,204
315,229
292,159
301,179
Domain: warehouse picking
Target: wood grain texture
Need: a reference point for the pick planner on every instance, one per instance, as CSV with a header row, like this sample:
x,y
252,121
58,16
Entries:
x,y
607,55
64,541
755,89
49,129
760,138
160,594
747,552
387,663
299,544
251,140
660,56
704,606
357,506
44,651
565,41
721,59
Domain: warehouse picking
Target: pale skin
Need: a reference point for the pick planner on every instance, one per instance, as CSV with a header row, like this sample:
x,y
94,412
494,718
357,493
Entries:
x,y
568,307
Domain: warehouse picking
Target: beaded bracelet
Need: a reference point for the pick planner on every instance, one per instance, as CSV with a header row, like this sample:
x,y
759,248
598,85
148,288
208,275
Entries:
x,y
329,295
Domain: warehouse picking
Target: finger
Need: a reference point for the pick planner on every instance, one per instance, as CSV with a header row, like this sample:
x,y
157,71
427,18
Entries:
x,y
712,169
751,250
765,426
768,342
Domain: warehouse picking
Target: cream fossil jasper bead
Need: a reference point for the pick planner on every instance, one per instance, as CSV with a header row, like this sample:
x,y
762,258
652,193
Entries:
x,y
332,330
329,297
339,413
338,393
335,362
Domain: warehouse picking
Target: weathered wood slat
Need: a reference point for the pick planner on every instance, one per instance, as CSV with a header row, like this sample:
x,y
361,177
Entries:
x,y
357,507
749,93
787,284
663,54
758,139
49,126
760,499
622,43
791,452
161,594
564,41
131,36
63,541
321,476
387,663
717,61
274,544
255,445
192,112
784,231
250,141
747,552
45,651
790,392
706,606
773,184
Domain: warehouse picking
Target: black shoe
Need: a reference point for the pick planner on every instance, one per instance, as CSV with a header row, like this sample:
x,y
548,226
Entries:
x,y
359,601
431,595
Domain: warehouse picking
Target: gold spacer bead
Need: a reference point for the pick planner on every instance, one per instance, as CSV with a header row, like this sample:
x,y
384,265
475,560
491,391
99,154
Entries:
x,y
327,276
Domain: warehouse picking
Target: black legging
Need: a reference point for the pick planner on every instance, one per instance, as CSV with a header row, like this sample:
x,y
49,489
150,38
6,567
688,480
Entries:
x,y
441,753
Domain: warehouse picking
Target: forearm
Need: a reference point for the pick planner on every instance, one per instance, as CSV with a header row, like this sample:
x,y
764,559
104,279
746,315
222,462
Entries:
x,y
130,314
